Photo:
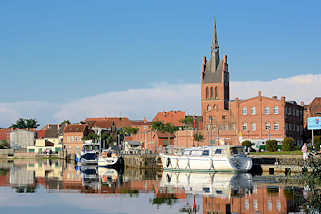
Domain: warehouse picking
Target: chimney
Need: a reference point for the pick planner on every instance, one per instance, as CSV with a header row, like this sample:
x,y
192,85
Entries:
x,y
225,59
283,99
302,103
237,100
260,93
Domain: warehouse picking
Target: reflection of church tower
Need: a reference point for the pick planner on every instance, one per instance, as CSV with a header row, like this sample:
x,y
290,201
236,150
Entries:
x,y
215,91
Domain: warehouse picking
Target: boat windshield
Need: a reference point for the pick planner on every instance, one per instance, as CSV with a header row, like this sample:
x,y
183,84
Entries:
x,y
90,147
237,150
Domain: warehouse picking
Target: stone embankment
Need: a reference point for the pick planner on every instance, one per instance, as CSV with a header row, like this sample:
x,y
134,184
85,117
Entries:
x,y
144,161
278,163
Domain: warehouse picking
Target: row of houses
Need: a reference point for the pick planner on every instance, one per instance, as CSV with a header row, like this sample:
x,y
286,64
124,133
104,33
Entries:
x,y
56,137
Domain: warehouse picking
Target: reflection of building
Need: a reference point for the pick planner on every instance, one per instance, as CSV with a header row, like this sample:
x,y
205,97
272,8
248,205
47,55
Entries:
x,y
264,199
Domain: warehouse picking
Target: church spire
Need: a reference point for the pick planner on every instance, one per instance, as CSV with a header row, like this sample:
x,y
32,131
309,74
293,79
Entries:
x,y
215,55
214,40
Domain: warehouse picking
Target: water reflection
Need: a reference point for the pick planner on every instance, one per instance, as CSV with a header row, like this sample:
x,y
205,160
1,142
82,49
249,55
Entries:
x,y
161,192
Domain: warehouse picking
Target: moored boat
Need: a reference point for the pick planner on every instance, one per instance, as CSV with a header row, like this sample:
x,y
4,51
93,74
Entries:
x,y
88,154
207,159
110,158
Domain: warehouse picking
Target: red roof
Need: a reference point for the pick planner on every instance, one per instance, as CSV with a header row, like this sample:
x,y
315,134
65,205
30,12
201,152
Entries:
x,y
75,128
106,122
173,117
41,133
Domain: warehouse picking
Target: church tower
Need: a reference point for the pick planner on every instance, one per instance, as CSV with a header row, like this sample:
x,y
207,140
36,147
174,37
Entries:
x,y
215,87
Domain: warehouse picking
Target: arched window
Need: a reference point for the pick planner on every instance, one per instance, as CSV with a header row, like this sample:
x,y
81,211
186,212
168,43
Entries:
x,y
211,93
206,93
209,108
216,92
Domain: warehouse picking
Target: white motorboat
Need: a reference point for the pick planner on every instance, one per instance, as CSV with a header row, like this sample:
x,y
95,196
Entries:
x,y
207,159
88,154
220,185
110,158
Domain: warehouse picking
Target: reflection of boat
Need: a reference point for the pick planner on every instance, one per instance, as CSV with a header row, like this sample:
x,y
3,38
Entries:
x,y
215,184
207,159
88,154
110,158
89,176
108,176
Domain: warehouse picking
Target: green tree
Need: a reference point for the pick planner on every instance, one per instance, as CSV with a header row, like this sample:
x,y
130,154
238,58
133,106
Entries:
x,y
157,126
25,123
188,121
4,144
129,131
247,144
91,136
288,144
198,137
271,145
65,122
317,142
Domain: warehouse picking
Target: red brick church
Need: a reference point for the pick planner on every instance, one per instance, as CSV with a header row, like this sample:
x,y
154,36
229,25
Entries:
x,y
227,121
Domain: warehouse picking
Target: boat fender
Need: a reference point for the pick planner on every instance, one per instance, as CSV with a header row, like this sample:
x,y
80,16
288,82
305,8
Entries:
x,y
168,162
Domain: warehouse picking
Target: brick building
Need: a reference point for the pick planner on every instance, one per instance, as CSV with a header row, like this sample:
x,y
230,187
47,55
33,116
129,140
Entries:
x,y
312,110
73,134
232,121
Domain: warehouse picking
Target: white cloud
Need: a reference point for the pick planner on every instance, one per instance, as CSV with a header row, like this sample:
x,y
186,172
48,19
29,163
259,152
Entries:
x,y
146,102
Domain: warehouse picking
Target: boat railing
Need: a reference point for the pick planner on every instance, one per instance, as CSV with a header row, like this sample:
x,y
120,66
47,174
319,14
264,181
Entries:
x,y
169,150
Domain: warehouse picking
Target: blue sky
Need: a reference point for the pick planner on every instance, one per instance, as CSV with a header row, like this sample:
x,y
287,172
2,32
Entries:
x,y
62,50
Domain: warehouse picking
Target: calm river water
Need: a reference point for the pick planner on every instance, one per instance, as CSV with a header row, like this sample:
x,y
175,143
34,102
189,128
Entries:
x,y
52,186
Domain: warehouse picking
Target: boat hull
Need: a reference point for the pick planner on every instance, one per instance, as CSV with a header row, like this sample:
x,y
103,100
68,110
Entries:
x,y
205,164
111,162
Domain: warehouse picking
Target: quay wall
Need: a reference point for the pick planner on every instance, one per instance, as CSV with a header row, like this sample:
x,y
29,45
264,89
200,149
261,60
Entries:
x,y
144,161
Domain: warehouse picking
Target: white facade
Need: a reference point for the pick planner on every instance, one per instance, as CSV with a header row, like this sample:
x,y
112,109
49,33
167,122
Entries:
x,y
20,139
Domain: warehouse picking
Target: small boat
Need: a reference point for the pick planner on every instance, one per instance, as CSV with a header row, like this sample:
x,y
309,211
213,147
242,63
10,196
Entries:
x,y
88,154
110,158
206,159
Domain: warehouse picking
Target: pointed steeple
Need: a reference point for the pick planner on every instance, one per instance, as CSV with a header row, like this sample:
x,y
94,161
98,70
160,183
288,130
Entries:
x,y
215,55
214,40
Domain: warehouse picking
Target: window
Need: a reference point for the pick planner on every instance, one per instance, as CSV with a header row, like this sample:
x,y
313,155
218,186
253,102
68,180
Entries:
x,y
246,204
216,93
266,110
72,138
205,153
255,204
211,93
206,93
278,205
297,113
77,148
276,126
244,126
253,112
208,108
70,148
253,126
210,119
225,127
218,151
276,110
267,126
233,126
244,111
269,205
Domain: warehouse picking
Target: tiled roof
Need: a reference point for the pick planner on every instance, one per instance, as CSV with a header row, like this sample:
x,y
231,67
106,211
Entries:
x,y
41,133
106,122
75,128
172,117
